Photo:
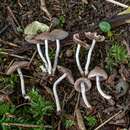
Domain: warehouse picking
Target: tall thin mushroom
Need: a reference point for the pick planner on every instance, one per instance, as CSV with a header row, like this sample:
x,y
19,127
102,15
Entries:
x,y
83,85
99,74
66,74
80,43
58,34
17,66
95,38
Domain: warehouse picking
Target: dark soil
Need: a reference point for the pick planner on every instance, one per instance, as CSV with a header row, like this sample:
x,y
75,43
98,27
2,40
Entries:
x,y
79,18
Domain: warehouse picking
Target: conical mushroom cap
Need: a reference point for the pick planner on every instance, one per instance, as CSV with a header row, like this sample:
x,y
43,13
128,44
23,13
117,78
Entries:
x,y
59,34
87,82
94,35
64,70
97,71
16,65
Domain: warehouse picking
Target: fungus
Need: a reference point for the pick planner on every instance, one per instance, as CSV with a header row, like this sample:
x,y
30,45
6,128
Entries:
x,y
66,74
18,66
99,74
83,85
95,38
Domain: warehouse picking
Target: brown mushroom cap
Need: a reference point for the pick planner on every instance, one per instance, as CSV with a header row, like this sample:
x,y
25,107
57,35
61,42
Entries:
x,y
59,34
16,65
40,38
77,84
64,70
97,71
77,40
94,35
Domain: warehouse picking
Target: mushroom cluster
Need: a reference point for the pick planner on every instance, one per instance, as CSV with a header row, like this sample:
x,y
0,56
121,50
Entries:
x,y
84,84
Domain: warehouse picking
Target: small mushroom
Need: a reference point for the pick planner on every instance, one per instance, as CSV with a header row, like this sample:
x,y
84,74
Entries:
x,y
38,40
66,74
95,38
99,74
118,3
83,85
58,35
80,43
18,66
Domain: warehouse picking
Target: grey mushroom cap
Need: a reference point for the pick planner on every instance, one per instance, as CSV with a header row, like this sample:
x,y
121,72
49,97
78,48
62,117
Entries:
x,y
40,38
16,65
64,70
59,34
97,71
94,35
87,82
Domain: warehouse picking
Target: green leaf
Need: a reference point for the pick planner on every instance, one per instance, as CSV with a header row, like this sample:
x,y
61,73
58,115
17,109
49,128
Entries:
x,y
91,121
35,28
105,26
127,11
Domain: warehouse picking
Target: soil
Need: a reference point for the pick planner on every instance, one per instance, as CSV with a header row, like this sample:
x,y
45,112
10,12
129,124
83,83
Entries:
x,y
79,18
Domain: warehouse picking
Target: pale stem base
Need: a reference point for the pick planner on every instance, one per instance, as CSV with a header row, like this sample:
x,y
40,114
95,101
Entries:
x,y
58,107
108,97
83,92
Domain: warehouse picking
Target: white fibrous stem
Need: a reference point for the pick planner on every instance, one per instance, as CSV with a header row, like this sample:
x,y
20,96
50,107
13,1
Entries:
x,y
57,55
89,57
58,107
47,57
118,3
78,61
83,92
41,55
22,84
100,90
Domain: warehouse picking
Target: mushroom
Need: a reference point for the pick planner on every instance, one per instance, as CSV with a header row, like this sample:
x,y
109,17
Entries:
x,y
99,74
95,38
38,40
66,74
118,3
18,66
58,35
80,43
83,85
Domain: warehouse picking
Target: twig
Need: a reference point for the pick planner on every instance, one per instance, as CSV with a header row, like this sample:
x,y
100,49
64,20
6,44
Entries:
x,y
13,55
44,8
127,46
80,120
4,28
8,43
25,125
34,54
108,120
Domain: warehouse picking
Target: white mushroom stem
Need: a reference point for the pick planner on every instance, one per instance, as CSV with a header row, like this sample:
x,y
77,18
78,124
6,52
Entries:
x,y
47,57
41,55
89,57
57,55
83,92
78,61
22,84
118,3
100,90
58,107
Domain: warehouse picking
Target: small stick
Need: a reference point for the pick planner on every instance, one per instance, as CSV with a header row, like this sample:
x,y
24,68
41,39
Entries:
x,y
118,3
25,125
34,54
108,120
44,8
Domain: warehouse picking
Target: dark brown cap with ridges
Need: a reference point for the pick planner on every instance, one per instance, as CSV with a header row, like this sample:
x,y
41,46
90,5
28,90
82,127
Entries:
x,y
97,71
16,65
77,84
93,36
59,34
77,40
66,71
